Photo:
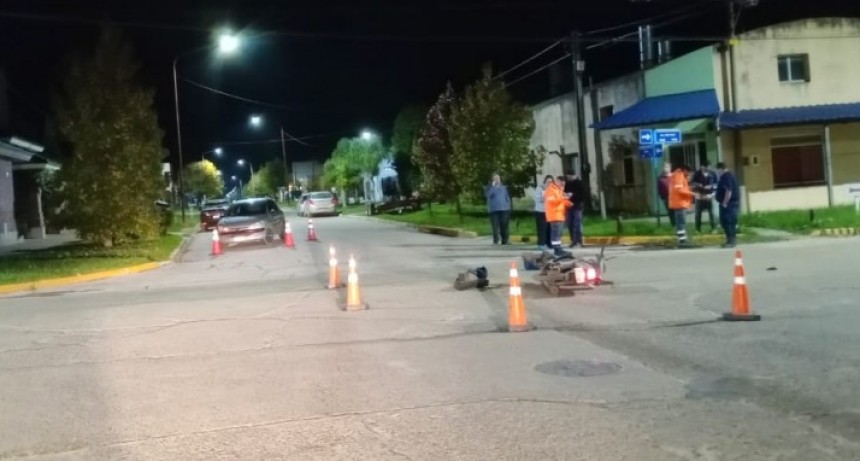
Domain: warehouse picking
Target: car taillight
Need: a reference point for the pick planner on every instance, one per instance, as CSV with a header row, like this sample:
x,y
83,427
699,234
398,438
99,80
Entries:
x,y
334,201
591,274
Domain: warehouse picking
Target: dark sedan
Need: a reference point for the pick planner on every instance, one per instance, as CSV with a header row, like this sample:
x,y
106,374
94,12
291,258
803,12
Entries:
x,y
211,212
251,220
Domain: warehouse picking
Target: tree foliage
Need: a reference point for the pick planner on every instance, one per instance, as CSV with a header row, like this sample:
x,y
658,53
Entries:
x,y
407,127
432,152
107,124
351,161
490,133
267,180
203,179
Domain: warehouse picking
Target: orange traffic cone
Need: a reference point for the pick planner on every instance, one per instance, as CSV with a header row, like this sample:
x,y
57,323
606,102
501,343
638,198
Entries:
x,y
333,272
312,233
353,294
216,243
740,296
516,308
288,236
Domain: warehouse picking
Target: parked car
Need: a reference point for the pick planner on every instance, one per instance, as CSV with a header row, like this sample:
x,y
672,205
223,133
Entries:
x,y
317,203
211,211
251,220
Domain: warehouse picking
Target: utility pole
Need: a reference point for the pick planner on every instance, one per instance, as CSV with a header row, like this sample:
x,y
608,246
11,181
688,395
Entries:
x,y
578,70
179,141
598,147
284,153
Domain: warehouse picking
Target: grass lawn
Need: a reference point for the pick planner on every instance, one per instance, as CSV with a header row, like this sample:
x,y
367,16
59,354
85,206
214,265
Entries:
x,y
79,258
192,222
522,222
798,221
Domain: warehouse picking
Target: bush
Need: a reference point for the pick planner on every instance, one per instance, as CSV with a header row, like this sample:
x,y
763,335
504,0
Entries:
x,y
165,219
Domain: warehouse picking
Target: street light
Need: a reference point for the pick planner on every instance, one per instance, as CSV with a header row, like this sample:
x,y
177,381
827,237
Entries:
x,y
256,120
367,135
217,151
227,44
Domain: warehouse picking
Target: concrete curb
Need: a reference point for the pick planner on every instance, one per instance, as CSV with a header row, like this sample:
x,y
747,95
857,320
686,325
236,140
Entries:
x,y
837,232
631,240
81,278
447,232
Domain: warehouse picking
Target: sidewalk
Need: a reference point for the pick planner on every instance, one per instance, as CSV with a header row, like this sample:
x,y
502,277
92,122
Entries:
x,y
50,241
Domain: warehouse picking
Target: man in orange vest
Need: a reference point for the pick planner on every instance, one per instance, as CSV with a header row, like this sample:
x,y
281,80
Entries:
x,y
680,199
556,205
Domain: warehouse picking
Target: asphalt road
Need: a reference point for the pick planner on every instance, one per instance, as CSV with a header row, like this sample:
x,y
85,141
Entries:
x,y
247,356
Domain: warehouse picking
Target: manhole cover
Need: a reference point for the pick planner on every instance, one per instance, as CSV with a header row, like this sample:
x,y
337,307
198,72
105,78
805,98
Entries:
x,y
578,368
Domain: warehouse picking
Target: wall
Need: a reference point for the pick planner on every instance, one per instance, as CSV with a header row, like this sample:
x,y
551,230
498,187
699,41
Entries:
x,y
7,204
831,59
845,157
691,72
555,125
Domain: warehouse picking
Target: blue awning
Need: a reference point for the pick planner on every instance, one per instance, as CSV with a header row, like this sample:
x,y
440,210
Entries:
x,y
799,115
664,109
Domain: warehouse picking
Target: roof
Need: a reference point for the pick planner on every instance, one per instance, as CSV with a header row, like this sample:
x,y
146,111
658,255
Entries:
x,y
664,109
796,115
15,153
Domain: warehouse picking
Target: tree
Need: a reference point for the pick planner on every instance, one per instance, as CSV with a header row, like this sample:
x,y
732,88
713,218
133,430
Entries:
x,y
407,127
433,154
353,160
490,133
203,178
108,125
267,180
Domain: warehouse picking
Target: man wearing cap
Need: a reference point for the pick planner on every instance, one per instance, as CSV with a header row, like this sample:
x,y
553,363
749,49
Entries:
x,y
729,197
680,199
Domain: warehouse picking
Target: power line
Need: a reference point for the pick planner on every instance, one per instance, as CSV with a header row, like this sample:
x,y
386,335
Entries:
x,y
567,55
532,58
237,97
647,20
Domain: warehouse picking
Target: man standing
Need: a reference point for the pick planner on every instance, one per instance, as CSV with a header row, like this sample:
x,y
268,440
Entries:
x,y
499,205
663,191
574,190
556,209
680,199
729,198
704,183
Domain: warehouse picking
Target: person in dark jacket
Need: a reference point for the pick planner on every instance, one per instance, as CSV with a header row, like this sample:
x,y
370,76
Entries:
x,y
499,206
728,195
704,183
574,190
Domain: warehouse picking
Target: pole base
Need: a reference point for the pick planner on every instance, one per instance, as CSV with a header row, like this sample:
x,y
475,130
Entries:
x,y
334,287
732,317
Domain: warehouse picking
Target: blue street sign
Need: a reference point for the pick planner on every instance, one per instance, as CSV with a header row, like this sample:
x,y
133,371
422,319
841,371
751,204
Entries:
x,y
658,151
667,136
646,137
646,152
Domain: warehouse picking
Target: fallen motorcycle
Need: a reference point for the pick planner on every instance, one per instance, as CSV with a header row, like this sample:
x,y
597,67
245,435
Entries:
x,y
567,272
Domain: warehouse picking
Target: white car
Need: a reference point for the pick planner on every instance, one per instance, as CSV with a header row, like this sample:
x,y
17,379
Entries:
x,y
317,203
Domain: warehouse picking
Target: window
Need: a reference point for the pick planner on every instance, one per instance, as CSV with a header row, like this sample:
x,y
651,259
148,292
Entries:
x,y
684,154
793,68
628,171
606,112
797,162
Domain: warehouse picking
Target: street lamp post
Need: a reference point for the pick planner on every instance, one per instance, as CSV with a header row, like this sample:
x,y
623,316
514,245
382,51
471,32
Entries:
x,y
227,43
256,121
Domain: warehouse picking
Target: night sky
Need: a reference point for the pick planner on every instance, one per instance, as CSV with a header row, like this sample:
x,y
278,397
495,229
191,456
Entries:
x,y
328,69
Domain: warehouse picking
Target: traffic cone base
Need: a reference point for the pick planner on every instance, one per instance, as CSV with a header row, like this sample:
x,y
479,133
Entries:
x,y
732,317
740,296
517,322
